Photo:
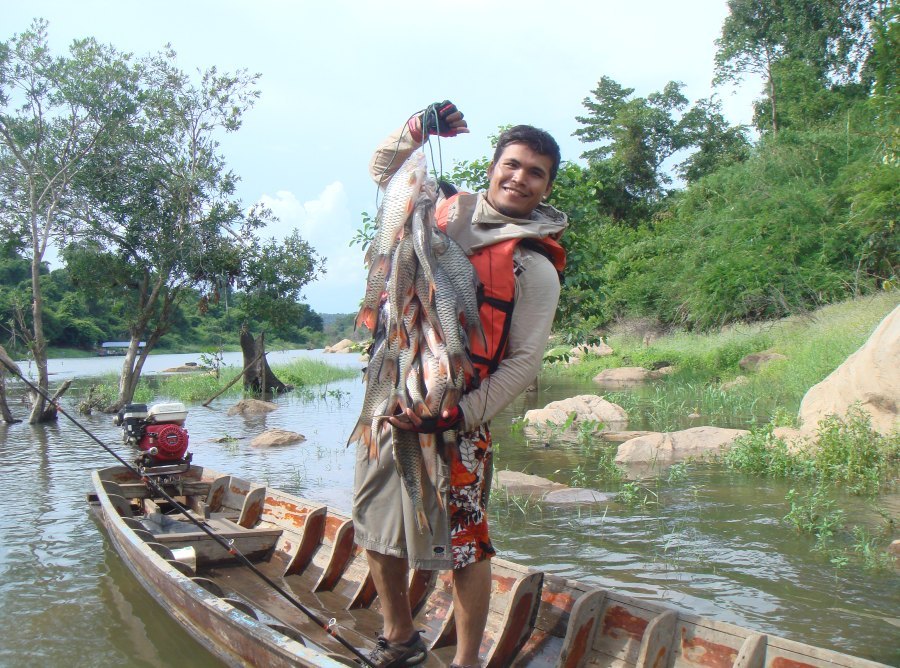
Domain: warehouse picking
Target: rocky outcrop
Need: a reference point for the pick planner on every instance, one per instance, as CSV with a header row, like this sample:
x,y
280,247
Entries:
x,y
578,352
187,367
342,346
677,446
622,436
869,376
277,437
737,382
252,407
516,483
754,361
576,496
629,375
550,421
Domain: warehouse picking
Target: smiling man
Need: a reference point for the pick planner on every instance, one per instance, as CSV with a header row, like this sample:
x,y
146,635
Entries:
x,y
511,237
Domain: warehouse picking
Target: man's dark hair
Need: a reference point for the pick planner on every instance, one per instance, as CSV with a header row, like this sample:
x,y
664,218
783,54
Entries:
x,y
536,139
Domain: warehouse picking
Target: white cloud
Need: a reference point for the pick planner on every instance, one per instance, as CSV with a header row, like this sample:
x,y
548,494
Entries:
x,y
327,225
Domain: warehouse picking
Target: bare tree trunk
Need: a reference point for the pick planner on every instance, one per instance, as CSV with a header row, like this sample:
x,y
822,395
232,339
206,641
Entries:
x,y
40,411
4,407
258,377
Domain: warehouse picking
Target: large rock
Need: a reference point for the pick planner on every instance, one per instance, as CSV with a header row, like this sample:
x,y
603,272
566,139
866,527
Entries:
x,y
738,381
547,422
626,375
869,376
252,407
342,346
516,483
276,437
600,350
576,496
677,446
622,436
754,361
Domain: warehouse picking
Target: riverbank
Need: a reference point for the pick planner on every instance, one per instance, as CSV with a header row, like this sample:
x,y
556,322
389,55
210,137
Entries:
x,y
707,366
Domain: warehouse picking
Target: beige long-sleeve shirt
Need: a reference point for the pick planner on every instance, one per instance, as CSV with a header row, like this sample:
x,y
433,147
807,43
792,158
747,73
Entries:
x,y
537,283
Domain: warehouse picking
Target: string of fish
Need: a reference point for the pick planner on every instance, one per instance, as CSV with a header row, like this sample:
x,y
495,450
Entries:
x,y
421,303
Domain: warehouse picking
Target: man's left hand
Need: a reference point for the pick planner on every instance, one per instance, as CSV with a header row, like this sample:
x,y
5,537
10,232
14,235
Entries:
x,y
408,421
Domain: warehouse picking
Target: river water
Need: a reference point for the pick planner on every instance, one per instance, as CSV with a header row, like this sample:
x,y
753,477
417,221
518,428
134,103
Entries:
x,y
713,542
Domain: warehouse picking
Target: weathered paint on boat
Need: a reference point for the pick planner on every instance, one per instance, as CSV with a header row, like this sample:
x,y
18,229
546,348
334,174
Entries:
x,y
536,619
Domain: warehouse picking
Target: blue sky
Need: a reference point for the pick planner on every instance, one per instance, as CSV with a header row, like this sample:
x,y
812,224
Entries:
x,y
338,76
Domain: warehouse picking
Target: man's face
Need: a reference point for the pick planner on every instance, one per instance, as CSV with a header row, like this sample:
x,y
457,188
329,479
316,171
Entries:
x,y
519,180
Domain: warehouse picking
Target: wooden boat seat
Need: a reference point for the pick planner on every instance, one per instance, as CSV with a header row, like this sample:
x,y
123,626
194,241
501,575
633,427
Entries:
x,y
255,544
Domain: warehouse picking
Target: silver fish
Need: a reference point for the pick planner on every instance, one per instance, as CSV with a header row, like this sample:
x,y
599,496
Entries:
x,y
422,228
465,281
401,287
375,397
408,460
448,308
399,198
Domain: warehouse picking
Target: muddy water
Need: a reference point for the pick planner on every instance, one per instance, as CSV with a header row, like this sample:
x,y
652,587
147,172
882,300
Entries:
x,y
713,543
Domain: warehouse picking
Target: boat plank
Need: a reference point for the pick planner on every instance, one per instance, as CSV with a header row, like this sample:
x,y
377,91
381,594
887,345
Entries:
x,y
342,552
252,508
752,653
582,629
517,622
659,637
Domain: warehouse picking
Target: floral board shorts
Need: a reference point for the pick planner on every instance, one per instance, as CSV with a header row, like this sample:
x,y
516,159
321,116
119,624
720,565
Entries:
x,y
383,515
471,472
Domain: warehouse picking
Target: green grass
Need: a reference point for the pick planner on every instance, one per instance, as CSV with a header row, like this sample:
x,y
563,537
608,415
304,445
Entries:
x,y
195,387
814,344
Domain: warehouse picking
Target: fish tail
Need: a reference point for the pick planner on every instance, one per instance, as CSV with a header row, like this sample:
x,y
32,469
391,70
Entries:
x,y
366,317
428,443
362,432
475,332
422,520
420,408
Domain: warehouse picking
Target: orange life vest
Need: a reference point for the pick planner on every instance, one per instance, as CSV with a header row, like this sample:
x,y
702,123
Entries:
x,y
494,266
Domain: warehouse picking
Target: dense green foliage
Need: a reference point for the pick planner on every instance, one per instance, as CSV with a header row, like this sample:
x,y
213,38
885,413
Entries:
x,y
804,217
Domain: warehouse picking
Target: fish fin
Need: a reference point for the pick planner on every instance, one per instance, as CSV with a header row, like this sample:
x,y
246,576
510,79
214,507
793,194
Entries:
x,y
428,443
422,521
366,316
475,333
362,432
451,398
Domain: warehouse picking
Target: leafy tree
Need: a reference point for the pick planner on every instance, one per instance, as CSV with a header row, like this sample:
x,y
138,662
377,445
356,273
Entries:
x,y
833,37
159,217
638,134
54,111
717,143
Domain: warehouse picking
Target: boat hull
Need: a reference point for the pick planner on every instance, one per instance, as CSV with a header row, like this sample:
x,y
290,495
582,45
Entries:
x,y
536,619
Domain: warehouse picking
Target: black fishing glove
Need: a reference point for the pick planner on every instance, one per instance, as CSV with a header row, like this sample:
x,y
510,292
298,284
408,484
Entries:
x,y
434,119
440,424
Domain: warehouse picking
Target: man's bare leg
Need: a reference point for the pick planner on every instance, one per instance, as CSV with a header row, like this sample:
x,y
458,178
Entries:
x,y
471,597
391,578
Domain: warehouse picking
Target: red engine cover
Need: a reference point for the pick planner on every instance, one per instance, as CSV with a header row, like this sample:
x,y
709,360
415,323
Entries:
x,y
170,441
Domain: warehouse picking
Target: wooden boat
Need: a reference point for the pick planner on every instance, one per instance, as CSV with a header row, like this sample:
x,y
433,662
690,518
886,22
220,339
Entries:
x,y
536,619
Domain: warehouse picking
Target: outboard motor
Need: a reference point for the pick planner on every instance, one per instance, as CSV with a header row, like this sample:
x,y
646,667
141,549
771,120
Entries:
x,y
158,433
